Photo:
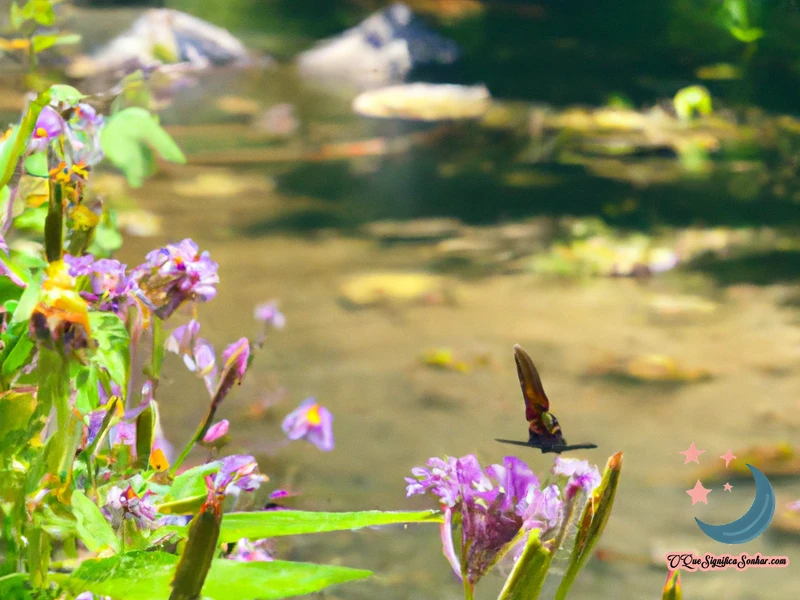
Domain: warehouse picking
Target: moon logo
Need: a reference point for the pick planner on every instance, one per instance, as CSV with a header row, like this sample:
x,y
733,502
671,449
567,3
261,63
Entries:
x,y
752,523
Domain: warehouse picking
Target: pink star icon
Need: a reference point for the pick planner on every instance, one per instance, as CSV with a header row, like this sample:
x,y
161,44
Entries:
x,y
698,493
728,487
692,454
727,457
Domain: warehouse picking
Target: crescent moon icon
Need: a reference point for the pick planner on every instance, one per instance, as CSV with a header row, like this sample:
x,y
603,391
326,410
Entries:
x,y
752,523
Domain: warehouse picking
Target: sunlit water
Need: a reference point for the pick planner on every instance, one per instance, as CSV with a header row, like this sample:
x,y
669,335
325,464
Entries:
x,y
391,413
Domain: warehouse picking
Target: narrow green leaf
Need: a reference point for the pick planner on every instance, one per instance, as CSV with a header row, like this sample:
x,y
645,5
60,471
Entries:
x,y
43,42
15,144
275,523
93,528
147,575
145,433
529,573
592,523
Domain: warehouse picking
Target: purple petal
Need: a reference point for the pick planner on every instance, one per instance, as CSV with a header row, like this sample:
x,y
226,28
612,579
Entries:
x,y
216,431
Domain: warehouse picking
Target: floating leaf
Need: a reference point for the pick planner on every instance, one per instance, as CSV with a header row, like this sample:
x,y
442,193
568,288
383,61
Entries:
x,y
147,576
256,525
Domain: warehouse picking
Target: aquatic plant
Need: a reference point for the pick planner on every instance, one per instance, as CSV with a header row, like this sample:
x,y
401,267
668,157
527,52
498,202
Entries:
x,y
504,509
93,503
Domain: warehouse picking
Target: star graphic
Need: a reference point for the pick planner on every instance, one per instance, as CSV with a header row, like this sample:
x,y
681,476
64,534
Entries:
x,y
692,454
698,493
727,457
728,487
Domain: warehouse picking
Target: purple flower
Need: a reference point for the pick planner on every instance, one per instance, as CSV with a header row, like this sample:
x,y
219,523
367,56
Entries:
x,y
496,508
582,476
268,314
109,284
123,433
235,359
127,504
216,431
175,274
198,353
312,422
794,505
49,125
91,596
259,551
238,473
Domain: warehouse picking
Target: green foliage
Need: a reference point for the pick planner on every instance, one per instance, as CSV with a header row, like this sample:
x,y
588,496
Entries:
x,y
529,573
147,576
278,523
113,345
672,588
93,528
692,100
130,139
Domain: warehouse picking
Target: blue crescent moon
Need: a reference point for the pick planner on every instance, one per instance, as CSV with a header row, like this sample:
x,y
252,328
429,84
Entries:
x,y
752,523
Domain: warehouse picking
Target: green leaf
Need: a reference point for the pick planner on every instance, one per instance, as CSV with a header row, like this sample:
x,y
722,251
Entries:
x,y
128,140
40,11
18,356
16,409
113,352
27,302
43,42
93,528
36,164
66,94
107,238
672,588
33,219
15,144
17,16
592,522
86,388
527,578
747,35
192,483
147,576
277,523
9,291
12,587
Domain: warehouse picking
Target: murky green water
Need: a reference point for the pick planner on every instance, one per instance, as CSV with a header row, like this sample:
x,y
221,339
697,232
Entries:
x,y
290,234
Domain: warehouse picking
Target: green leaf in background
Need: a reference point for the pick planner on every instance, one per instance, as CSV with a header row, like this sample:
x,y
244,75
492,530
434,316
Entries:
x,y
275,523
40,11
43,42
17,16
32,219
9,291
16,409
36,164
129,139
147,576
113,352
93,528
527,577
107,238
65,94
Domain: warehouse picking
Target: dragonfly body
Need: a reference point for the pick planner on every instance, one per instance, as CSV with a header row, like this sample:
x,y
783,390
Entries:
x,y
544,431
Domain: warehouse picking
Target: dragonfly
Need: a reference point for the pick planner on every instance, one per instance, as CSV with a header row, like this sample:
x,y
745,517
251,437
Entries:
x,y
544,431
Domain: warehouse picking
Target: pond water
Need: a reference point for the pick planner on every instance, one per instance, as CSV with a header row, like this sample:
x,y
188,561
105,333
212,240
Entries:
x,y
289,231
